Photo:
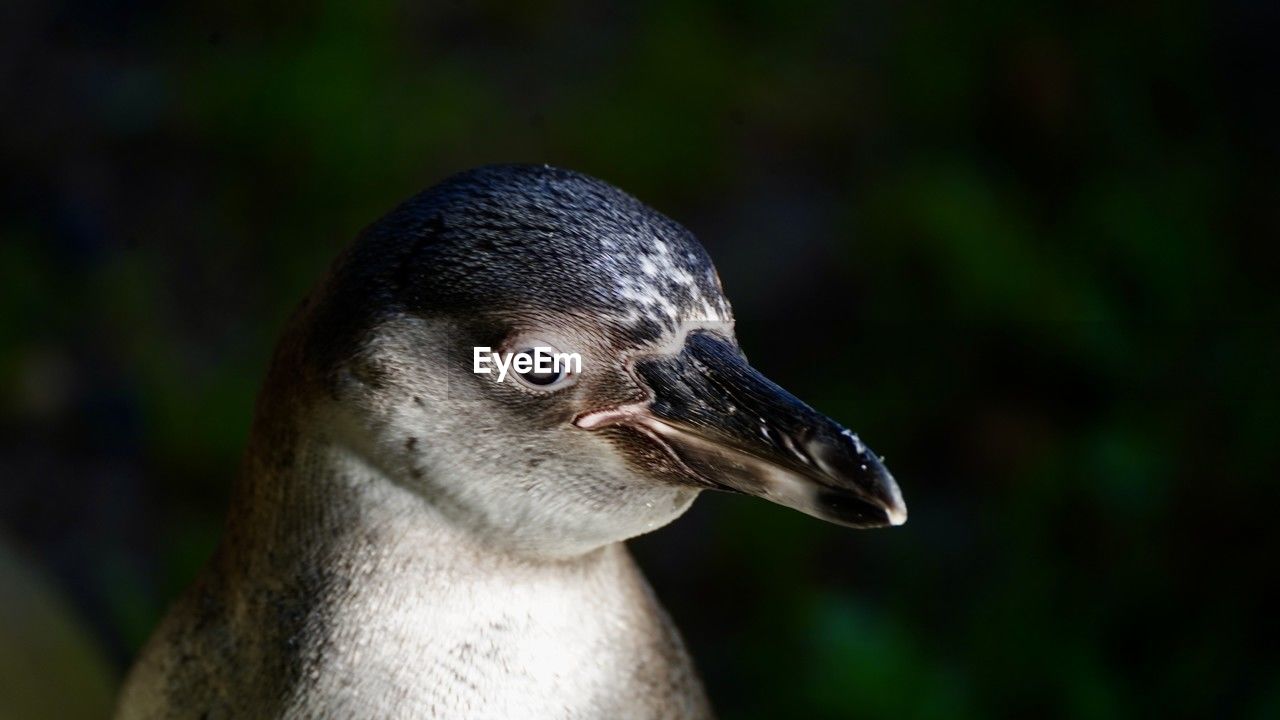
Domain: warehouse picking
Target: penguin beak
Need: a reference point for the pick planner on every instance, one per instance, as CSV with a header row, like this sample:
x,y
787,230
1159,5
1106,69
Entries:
x,y
734,429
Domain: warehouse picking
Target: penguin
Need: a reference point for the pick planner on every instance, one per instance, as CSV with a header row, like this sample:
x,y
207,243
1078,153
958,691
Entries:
x,y
413,537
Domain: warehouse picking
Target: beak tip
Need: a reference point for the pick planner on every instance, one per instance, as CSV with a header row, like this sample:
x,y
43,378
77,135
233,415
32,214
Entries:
x,y
896,508
897,515
882,491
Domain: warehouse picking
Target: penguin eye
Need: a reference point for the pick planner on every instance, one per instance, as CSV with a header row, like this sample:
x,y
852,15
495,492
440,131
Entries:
x,y
549,369
543,379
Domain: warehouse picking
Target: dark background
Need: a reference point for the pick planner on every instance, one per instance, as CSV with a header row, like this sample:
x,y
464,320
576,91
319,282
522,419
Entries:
x,y
1026,250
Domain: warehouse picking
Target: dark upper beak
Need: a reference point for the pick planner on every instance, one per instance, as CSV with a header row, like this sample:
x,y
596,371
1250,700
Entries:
x,y
735,429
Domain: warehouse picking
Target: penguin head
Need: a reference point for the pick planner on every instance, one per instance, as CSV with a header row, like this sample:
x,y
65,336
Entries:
x,y
634,396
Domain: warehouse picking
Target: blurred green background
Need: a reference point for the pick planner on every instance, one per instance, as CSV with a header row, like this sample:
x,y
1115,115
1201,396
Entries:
x,y
1027,250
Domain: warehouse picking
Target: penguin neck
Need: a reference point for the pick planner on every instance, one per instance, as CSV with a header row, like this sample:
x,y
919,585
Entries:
x,y
310,504
342,573
355,586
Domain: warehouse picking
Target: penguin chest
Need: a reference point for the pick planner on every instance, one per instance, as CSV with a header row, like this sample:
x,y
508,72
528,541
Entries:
x,y
531,648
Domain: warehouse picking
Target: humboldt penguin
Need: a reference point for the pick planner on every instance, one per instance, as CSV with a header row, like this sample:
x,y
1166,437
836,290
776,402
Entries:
x,y
413,537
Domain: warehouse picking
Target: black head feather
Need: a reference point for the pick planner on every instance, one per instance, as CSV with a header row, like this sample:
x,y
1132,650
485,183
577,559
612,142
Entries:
x,y
525,239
